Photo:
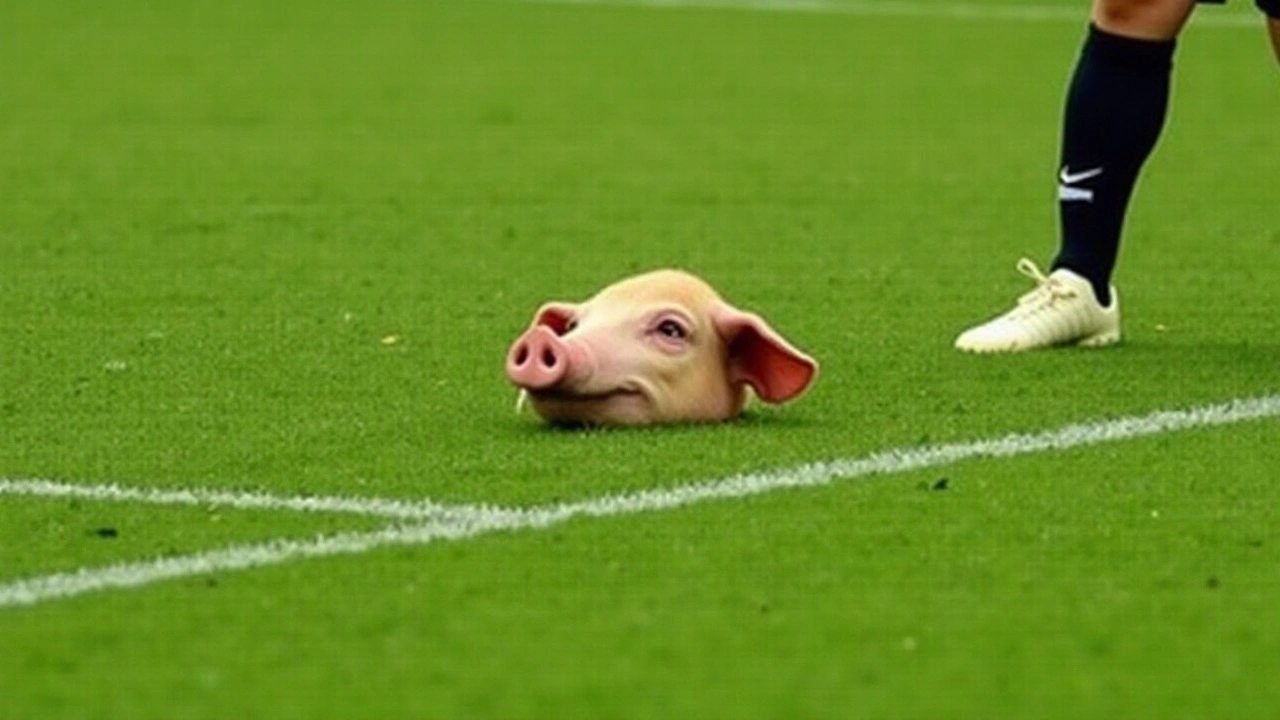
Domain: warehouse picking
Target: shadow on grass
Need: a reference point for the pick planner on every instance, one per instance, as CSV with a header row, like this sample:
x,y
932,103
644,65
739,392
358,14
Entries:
x,y
752,419
1244,366
1136,376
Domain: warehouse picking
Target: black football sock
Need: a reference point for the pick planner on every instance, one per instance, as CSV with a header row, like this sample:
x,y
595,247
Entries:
x,y
1114,112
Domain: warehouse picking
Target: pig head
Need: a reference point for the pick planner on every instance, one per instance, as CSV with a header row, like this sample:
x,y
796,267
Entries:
x,y
660,347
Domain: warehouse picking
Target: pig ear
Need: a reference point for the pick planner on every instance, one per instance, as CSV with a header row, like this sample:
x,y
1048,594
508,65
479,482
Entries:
x,y
760,357
555,315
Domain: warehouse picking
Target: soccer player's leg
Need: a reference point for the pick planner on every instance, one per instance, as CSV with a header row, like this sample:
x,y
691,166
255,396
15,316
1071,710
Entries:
x,y
1115,109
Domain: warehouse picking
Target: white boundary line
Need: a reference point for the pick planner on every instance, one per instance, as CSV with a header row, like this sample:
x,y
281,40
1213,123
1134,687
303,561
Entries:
x,y
1019,12
35,590
388,508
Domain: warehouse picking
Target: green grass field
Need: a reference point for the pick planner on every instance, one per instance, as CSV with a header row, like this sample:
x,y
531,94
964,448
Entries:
x,y
282,248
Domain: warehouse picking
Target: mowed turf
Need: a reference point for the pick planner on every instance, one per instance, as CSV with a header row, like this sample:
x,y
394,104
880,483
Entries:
x,y
284,248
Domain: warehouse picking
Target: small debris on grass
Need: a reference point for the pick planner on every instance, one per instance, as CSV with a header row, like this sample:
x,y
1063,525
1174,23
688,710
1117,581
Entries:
x,y
106,532
941,483
390,339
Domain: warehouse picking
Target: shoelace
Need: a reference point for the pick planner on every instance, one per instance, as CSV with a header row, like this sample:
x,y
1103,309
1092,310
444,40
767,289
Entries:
x,y
1047,292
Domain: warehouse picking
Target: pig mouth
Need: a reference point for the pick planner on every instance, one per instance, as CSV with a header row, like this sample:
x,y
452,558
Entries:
x,y
567,400
563,395
618,406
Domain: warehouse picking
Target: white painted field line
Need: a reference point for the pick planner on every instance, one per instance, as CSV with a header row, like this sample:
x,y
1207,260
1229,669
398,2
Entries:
x,y
917,458
237,557
1020,12
378,507
62,585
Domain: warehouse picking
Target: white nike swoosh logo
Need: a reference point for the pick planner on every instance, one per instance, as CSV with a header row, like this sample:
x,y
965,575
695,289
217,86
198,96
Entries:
x,y
1069,178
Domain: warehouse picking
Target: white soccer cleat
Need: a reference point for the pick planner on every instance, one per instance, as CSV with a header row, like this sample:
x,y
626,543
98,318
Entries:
x,y
1062,310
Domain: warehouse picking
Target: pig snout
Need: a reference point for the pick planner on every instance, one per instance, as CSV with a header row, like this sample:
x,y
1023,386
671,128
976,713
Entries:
x,y
538,359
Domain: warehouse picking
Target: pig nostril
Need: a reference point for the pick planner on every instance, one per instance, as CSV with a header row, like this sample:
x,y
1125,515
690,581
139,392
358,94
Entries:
x,y
522,355
548,358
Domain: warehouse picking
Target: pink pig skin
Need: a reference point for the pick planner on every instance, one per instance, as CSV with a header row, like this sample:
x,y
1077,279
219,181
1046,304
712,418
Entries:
x,y
661,347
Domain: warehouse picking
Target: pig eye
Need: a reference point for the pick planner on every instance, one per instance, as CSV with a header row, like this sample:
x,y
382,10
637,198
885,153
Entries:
x,y
672,329
570,325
